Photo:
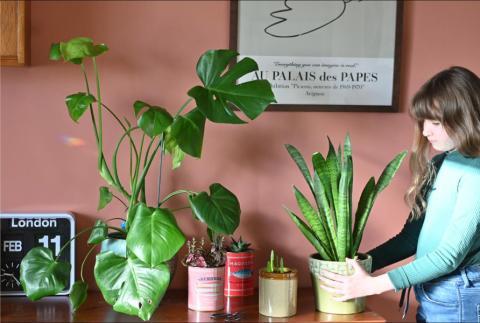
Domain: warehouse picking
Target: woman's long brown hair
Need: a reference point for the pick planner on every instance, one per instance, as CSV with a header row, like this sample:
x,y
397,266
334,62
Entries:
x,y
453,98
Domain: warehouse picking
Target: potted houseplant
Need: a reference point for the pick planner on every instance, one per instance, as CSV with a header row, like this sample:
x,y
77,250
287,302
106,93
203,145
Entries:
x,y
330,226
206,273
239,279
277,289
134,281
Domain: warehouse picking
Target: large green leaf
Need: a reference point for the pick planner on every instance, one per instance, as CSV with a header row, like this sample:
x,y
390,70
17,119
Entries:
x,y
130,285
78,295
220,210
310,235
154,120
314,219
389,172
78,103
41,275
105,197
333,170
99,232
302,165
325,213
220,88
188,132
343,214
154,236
76,49
361,215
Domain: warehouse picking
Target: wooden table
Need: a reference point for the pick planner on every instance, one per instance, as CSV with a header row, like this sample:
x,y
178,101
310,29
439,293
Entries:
x,y
173,308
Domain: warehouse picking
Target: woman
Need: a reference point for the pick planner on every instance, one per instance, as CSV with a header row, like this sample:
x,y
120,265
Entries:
x,y
443,230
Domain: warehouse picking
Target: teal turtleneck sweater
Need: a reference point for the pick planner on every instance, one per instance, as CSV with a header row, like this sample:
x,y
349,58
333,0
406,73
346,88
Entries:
x,y
450,235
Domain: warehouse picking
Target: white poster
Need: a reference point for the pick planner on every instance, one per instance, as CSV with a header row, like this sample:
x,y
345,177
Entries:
x,y
336,55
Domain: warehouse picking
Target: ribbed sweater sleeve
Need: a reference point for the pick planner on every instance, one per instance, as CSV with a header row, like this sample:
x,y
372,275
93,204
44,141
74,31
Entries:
x,y
404,244
458,239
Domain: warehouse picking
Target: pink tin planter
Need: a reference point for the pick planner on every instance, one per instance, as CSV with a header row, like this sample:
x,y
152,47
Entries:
x,y
205,288
239,280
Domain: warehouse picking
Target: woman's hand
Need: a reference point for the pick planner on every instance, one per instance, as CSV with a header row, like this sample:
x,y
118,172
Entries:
x,y
359,284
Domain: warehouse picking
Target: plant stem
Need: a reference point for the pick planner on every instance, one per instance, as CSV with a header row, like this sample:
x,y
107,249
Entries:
x,y
83,262
124,204
144,173
99,101
92,115
159,183
169,196
183,107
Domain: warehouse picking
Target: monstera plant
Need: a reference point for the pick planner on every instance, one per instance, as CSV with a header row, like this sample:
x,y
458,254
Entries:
x,y
136,282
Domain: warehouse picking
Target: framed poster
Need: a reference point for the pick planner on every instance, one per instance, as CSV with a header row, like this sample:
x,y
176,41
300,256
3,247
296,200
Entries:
x,y
337,55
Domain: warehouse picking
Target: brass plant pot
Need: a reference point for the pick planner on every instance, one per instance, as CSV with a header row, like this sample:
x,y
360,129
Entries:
x,y
278,293
324,301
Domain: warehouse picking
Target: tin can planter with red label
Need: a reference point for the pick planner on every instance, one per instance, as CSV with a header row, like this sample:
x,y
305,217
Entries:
x,y
205,288
239,278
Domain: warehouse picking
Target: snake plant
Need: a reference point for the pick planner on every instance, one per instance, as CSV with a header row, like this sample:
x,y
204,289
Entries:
x,y
330,226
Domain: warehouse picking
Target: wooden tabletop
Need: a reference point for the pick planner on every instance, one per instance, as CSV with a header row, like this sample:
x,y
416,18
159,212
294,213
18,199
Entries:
x,y
173,308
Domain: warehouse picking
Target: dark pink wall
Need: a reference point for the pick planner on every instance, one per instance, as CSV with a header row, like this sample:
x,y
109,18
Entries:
x,y
154,47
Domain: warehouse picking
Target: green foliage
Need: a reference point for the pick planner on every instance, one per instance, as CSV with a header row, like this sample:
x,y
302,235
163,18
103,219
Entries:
x,y
199,256
135,284
78,295
41,275
239,245
329,226
275,264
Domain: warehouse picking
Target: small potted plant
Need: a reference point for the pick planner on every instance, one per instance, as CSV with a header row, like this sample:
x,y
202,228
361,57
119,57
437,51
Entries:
x,y
239,279
330,226
277,289
206,272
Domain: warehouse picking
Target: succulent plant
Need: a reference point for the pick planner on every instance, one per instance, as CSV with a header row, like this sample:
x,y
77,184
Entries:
x,y
239,245
275,264
199,256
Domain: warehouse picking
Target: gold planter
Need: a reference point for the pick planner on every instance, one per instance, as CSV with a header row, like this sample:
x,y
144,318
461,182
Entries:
x,y
278,293
324,301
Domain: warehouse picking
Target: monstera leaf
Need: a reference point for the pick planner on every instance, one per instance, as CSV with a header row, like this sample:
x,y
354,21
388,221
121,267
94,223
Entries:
x,y
154,236
78,103
220,90
76,49
78,295
99,233
188,132
41,275
220,210
154,121
130,285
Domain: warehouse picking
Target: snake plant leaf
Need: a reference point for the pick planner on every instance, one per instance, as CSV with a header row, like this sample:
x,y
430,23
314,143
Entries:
x,y
78,103
78,295
220,89
361,215
326,215
320,167
333,169
220,210
99,233
41,275
105,197
130,285
316,222
310,235
389,171
343,214
154,121
154,236
188,132
76,49
302,165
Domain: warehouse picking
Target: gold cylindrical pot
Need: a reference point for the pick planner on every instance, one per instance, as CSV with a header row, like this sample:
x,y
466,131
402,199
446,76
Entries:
x,y
278,293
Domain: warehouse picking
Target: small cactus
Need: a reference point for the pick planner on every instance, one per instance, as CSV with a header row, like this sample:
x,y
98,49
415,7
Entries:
x,y
239,245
